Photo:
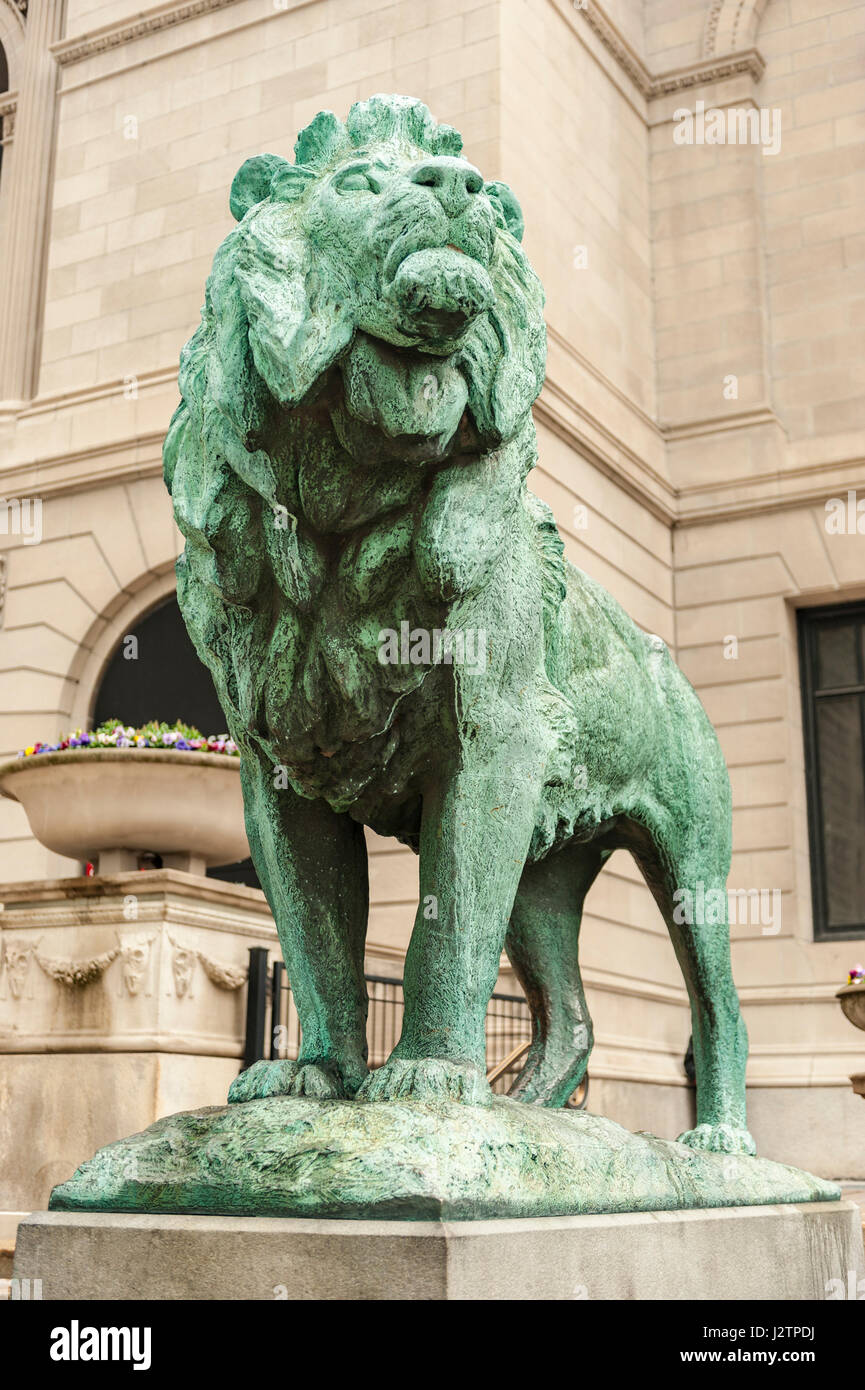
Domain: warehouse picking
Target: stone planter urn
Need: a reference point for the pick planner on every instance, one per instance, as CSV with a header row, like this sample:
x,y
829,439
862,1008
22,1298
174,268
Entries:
x,y
114,805
852,1001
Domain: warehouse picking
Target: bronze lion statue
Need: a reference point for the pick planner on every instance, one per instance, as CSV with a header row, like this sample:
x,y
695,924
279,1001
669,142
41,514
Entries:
x,y
348,467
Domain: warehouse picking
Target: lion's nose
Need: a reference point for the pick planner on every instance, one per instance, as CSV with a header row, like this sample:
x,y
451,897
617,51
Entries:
x,y
452,180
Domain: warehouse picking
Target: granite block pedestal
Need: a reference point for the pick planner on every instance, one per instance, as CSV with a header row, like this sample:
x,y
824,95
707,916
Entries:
x,y
800,1251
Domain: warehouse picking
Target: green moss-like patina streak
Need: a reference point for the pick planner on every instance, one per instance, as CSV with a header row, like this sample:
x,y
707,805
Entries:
x,y
351,454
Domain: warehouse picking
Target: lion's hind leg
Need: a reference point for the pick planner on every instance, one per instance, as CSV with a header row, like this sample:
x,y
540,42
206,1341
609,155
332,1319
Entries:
x,y
542,944
686,868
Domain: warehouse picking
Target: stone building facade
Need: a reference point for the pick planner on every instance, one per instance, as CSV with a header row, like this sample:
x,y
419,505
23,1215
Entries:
x,y
704,401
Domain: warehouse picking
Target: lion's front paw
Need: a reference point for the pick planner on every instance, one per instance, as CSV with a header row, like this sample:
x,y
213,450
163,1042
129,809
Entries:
x,y
428,1078
287,1078
719,1139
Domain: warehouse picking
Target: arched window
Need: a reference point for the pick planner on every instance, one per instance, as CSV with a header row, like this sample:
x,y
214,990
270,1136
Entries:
x,y
164,680
4,87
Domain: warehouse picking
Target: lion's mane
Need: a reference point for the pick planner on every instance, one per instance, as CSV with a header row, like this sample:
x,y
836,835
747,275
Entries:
x,y
263,457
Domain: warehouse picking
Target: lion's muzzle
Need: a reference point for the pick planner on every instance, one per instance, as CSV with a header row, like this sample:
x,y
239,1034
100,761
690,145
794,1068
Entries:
x,y
438,291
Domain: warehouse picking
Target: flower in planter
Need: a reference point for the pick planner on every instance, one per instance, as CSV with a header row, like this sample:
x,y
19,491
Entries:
x,y
856,975
113,734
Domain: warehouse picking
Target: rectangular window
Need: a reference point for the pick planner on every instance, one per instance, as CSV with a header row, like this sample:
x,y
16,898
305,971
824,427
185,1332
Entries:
x,y
832,661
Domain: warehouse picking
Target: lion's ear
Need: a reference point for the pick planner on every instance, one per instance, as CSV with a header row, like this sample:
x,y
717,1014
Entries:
x,y
251,183
298,321
504,200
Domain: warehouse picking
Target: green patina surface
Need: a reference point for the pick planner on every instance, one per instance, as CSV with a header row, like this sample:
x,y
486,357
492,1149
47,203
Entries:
x,y
414,1160
349,461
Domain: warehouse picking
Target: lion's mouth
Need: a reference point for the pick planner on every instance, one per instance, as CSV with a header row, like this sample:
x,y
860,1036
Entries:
x,y
437,292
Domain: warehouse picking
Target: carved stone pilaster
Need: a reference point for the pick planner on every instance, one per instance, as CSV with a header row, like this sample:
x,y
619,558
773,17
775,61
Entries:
x,y
21,288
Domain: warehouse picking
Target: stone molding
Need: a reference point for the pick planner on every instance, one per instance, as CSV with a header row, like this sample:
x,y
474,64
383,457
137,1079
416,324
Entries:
x,y
139,456
616,45
106,964
156,910
557,410
720,424
780,491
104,912
75,49
711,67
158,944
730,21
710,33
709,70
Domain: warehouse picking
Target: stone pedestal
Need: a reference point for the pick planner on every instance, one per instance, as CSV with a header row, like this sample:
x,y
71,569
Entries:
x,y
808,1251
122,998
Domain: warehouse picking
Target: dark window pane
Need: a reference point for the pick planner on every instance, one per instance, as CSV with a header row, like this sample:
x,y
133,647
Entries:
x,y
842,796
837,662
165,681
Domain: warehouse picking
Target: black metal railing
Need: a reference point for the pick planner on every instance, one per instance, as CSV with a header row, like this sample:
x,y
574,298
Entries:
x,y
273,1027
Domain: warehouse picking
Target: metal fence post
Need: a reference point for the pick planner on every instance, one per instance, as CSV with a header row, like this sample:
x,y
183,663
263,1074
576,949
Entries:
x,y
275,1008
256,1005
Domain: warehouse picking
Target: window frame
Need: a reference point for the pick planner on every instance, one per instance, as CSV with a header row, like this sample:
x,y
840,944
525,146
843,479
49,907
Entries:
x,y
808,623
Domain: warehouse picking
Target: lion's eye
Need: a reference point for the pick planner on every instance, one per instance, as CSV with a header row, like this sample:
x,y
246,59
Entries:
x,y
356,182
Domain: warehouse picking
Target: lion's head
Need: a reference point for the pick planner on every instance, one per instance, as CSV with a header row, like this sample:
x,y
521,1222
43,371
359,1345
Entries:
x,y
372,309
381,228
382,214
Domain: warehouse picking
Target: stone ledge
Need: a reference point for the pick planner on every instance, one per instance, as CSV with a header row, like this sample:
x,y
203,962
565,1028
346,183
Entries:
x,y
153,883
768,1252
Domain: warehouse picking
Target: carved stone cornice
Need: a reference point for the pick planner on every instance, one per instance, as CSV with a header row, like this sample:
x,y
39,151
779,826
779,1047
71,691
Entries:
x,y
617,45
102,888
709,68
79,47
159,912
